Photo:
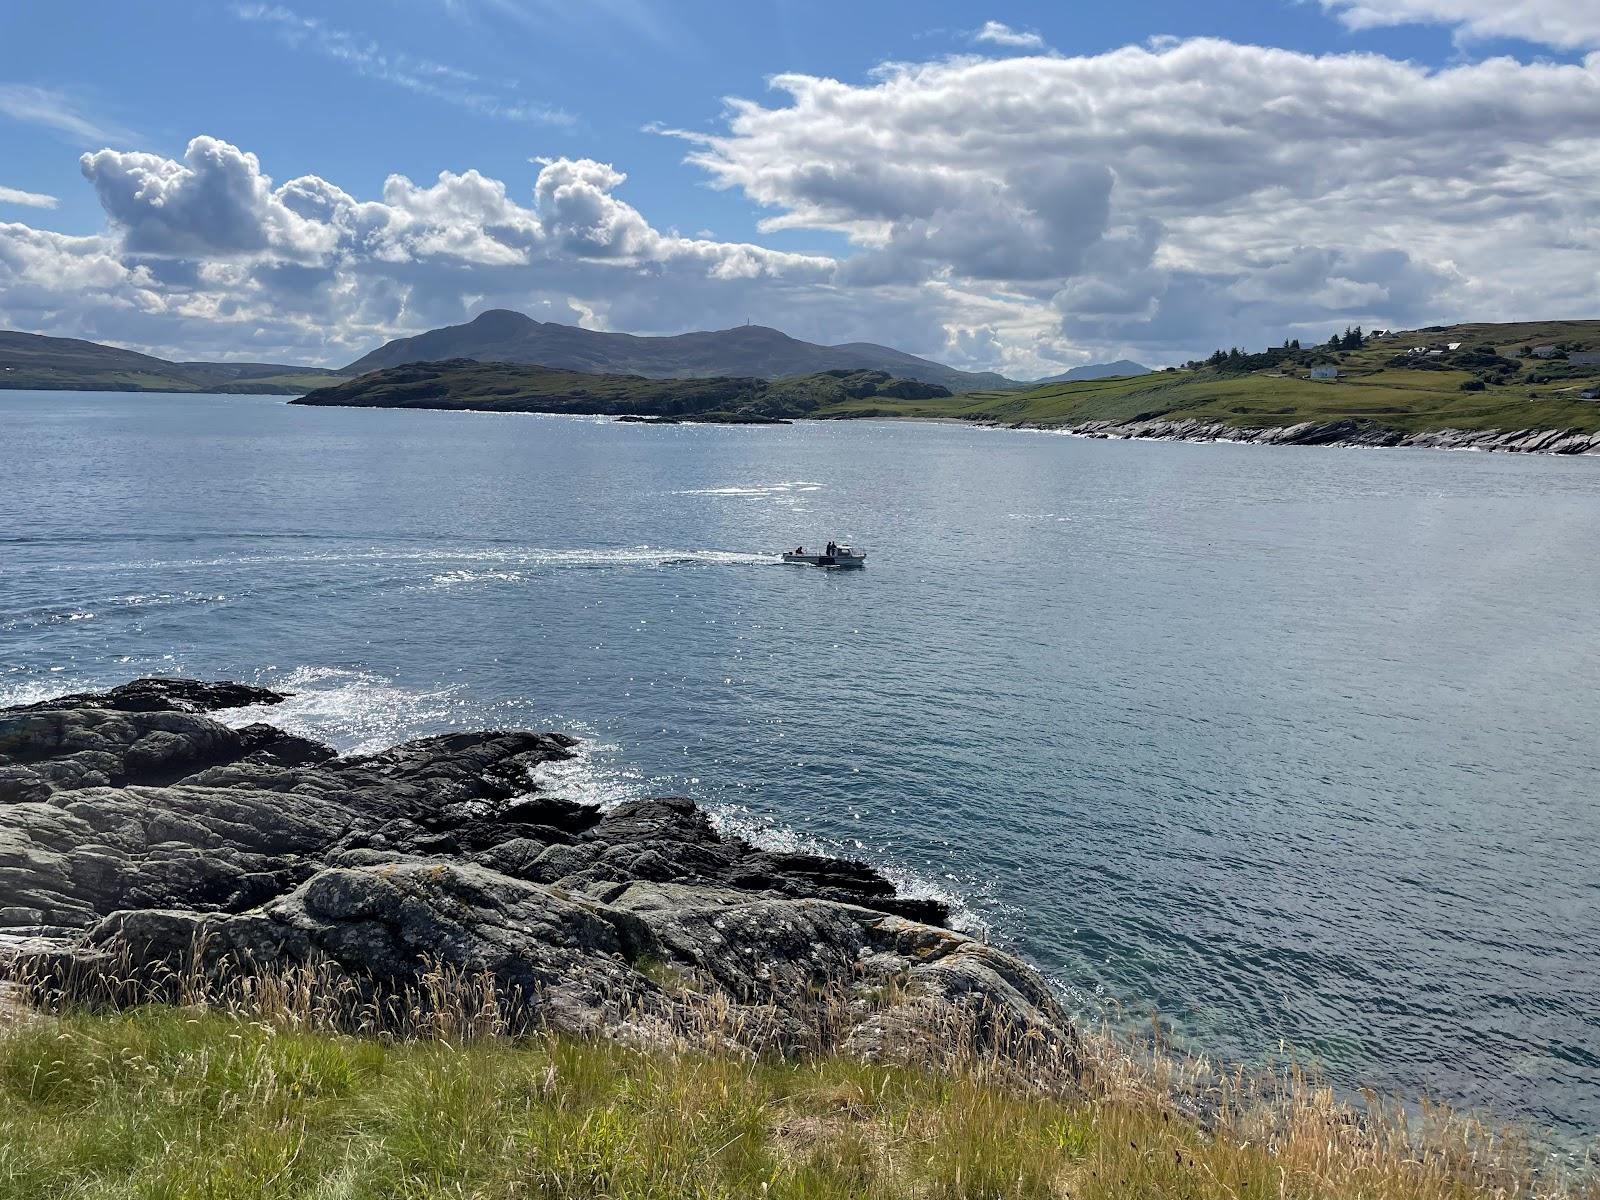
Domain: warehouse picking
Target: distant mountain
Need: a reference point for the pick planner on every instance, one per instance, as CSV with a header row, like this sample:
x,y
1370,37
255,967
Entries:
x,y
748,351
31,360
1110,370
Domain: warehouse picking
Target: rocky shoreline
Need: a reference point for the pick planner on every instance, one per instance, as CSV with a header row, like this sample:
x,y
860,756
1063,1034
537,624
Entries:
x,y
1346,432
139,835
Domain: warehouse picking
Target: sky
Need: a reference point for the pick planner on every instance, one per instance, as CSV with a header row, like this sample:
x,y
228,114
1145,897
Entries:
x,y
1021,187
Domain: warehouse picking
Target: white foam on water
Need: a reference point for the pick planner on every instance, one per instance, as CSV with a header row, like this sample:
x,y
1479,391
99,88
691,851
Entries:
x,y
509,557
734,820
592,776
514,566
355,711
89,608
458,578
31,691
790,488
360,712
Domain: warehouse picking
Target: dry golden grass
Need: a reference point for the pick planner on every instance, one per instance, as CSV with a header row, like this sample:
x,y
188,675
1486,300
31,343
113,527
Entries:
x,y
297,1083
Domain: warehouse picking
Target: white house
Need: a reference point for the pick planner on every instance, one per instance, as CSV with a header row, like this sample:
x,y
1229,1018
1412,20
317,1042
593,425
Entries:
x,y
1545,351
1324,372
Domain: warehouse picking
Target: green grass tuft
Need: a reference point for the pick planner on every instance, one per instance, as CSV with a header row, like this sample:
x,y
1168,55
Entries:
x,y
181,1102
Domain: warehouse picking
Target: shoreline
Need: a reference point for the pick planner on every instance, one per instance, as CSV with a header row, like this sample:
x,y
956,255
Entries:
x,y
1346,433
179,860
1343,434
149,839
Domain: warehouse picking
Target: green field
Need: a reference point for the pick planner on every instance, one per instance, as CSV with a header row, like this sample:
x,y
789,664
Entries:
x,y
1369,389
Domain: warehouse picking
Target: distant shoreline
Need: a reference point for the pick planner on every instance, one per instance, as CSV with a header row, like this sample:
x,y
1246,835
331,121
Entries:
x,y
1345,434
1340,434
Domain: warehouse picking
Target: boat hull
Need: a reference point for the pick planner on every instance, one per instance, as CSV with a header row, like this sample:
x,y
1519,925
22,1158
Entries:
x,y
831,561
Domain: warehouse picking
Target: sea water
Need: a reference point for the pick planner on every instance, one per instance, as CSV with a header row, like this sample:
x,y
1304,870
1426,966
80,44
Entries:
x,y
1284,744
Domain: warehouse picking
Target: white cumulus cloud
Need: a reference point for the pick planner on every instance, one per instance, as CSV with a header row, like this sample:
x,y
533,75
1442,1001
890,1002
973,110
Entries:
x,y
1190,193
1020,214
1567,24
207,255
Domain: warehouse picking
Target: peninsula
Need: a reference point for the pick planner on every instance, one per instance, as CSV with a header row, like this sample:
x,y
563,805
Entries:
x,y
512,387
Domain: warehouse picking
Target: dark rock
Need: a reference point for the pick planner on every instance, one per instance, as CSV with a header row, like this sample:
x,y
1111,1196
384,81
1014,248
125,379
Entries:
x,y
1343,432
139,834
163,695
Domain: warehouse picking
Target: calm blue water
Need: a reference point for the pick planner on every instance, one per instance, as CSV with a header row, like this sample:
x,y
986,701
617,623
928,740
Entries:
x,y
1285,743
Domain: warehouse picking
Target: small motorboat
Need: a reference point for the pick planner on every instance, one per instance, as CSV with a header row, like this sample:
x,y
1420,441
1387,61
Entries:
x,y
834,556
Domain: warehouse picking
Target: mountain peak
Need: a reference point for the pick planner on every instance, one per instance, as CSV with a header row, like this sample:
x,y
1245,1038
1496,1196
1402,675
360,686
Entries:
x,y
502,320
749,351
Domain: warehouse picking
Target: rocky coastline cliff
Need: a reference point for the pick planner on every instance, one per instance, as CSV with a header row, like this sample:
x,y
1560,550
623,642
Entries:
x,y
141,838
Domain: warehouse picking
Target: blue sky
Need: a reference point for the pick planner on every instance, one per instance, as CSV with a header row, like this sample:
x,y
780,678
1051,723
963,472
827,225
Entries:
x,y
877,210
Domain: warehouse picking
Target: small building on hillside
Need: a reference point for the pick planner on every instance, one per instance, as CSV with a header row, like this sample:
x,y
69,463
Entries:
x,y
1545,352
1325,373
1590,394
1584,358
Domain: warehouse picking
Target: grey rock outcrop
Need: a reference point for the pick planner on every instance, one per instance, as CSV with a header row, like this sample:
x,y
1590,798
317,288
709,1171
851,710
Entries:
x,y
140,836
1343,432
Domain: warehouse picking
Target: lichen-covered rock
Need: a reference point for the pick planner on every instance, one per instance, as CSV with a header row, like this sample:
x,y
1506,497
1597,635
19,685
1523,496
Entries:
x,y
140,837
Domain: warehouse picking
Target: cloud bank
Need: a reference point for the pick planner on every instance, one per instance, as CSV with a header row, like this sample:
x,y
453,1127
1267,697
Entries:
x,y
1021,213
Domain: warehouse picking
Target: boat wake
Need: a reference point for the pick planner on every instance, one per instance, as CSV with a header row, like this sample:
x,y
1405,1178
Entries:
x,y
759,491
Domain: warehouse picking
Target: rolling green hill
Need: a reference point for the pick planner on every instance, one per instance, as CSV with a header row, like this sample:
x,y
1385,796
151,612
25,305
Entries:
x,y
33,361
512,387
1379,384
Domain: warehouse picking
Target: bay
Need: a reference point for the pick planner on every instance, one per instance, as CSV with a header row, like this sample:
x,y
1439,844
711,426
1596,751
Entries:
x,y
1286,744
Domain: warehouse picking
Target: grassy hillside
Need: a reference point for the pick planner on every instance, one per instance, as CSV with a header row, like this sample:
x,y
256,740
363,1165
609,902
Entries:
x,y
1517,392
32,361
185,1102
512,387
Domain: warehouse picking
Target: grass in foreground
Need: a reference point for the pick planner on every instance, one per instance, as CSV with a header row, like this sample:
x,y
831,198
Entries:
x,y
185,1102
